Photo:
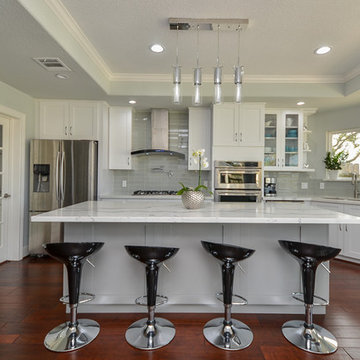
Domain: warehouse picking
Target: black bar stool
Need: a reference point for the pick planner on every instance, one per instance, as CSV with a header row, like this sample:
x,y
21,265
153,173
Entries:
x,y
76,333
150,333
307,335
227,333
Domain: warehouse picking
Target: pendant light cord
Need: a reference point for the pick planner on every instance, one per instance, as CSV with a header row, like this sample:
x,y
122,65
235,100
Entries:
x,y
197,46
238,45
218,45
177,45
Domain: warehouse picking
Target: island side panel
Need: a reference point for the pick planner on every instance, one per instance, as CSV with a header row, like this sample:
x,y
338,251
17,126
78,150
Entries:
x,y
270,274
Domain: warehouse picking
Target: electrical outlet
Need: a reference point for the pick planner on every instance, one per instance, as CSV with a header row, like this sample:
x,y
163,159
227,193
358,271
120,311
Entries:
x,y
124,184
322,186
304,185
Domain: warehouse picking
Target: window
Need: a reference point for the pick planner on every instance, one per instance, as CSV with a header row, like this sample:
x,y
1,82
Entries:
x,y
347,141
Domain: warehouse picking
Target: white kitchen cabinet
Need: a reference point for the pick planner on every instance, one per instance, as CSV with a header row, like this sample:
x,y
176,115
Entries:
x,y
238,124
199,134
283,147
120,123
344,236
69,120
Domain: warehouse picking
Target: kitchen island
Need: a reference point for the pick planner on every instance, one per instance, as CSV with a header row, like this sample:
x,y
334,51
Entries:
x,y
266,279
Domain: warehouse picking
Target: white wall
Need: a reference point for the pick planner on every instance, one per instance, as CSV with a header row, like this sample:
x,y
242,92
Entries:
x,y
347,118
23,103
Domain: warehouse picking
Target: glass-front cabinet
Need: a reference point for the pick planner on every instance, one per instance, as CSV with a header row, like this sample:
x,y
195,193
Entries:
x,y
283,148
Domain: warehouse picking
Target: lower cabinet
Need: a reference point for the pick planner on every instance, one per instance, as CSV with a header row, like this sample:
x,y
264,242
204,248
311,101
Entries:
x,y
344,236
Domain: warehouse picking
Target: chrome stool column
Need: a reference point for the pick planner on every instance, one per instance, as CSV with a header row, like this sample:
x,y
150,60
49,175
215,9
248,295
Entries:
x,y
305,334
152,332
76,333
227,333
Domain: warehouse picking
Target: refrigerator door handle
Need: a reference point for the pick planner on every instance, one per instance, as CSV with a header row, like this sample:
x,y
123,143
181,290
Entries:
x,y
57,165
62,176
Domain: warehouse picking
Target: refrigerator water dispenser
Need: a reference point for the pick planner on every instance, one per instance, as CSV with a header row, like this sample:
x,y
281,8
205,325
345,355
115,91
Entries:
x,y
41,178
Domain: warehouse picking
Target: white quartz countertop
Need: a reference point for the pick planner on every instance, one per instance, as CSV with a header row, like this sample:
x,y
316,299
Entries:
x,y
172,211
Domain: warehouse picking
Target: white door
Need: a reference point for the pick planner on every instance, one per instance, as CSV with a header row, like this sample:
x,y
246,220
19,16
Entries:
x,y
4,186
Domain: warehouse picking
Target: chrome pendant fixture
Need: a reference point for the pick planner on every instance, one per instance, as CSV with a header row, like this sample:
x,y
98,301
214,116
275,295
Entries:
x,y
177,74
217,74
197,76
238,73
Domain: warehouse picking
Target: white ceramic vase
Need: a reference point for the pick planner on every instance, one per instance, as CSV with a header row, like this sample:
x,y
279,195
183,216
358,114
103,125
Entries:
x,y
192,199
332,174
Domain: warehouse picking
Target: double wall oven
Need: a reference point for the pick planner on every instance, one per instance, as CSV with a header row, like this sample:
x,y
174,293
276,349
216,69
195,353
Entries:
x,y
238,181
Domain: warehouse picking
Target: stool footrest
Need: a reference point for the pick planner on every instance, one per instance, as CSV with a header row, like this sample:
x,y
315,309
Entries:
x,y
83,298
299,296
235,299
160,300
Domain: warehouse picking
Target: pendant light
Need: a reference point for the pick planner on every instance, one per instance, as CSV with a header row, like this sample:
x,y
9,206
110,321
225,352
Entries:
x,y
197,75
217,74
177,73
238,74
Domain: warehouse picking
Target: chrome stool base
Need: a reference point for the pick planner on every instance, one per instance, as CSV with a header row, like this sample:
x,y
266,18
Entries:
x,y
64,337
317,340
239,334
142,336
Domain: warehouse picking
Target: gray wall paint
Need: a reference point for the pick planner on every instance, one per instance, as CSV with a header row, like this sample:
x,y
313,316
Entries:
x,y
19,101
289,184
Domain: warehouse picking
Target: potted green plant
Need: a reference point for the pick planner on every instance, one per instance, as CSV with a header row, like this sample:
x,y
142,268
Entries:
x,y
193,198
333,162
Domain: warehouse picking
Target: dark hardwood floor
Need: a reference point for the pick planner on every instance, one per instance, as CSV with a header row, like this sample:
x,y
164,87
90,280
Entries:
x,y
29,308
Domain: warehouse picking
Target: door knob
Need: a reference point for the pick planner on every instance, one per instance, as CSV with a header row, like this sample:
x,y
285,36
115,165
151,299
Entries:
x,y
6,195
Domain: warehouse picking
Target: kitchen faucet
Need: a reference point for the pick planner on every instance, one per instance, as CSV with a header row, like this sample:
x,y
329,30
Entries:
x,y
354,181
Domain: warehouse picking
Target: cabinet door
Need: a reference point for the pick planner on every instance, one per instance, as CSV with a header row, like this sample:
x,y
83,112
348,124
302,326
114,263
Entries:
x,y
251,124
271,146
292,135
199,134
83,121
351,241
120,122
54,119
225,125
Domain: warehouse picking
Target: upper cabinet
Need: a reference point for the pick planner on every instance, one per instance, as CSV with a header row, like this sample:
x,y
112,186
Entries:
x,y
72,120
199,134
238,124
120,126
286,146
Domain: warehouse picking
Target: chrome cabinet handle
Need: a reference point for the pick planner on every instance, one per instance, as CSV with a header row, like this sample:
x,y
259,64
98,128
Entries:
x,y
70,130
57,176
345,227
235,137
340,227
129,160
66,130
241,137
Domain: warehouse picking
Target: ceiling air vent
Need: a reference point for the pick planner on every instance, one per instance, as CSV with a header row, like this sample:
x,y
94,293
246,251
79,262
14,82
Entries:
x,y
52,64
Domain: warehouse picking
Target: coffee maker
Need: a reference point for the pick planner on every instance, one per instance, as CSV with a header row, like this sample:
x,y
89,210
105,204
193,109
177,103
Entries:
x,y
270,186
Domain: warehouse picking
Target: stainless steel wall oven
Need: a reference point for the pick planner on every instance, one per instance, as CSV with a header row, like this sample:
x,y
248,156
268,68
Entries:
x,y
238,181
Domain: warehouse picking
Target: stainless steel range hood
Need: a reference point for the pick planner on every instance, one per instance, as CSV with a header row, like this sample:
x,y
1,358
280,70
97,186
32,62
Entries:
x,y
159,136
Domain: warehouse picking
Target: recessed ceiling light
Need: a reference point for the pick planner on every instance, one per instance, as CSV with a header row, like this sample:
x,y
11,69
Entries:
x,y
300,103
132,101
157,48
62,76
322,50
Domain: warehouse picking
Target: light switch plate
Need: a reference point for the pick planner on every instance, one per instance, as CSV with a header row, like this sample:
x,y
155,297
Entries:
x,y
124,184
304,185
322,186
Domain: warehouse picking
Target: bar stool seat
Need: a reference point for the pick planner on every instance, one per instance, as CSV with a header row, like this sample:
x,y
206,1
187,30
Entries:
x,y
307,335
227,333
152,332
76,333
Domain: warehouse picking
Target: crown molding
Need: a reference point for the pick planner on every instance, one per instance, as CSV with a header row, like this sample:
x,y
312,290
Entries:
x,y
74,29
251,79
352,74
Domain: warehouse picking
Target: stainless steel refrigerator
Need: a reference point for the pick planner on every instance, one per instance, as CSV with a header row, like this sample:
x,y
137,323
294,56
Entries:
x,y
62,173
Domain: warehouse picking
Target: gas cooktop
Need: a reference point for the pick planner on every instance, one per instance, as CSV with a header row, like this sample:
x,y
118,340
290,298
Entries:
x,y
155,192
